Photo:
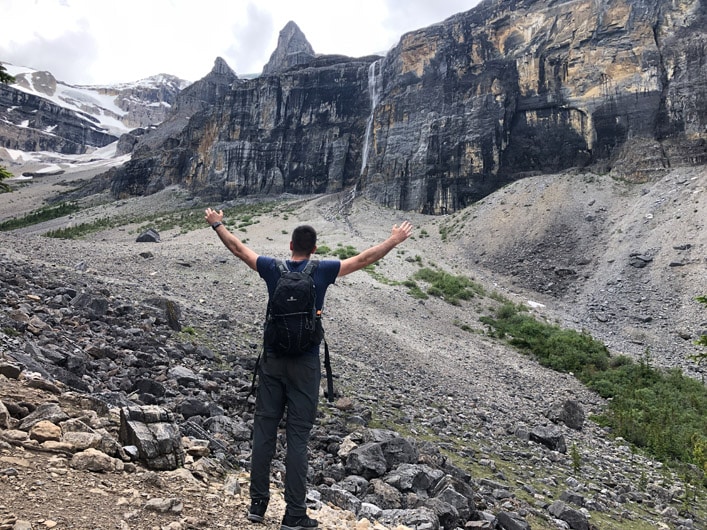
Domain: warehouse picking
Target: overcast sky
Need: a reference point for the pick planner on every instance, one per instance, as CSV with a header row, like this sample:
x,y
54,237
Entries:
x,y
109,41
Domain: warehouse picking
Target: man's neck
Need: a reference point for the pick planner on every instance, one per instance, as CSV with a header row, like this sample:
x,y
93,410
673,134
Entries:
x,y
300,257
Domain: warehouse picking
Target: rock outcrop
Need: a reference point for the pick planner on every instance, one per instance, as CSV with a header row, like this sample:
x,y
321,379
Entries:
x,y
293,49
456,110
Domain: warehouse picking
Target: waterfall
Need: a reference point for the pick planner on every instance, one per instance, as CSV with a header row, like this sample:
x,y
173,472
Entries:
x,y
374,88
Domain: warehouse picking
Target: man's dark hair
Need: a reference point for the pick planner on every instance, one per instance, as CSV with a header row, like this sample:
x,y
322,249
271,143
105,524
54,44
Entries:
x,y
304,239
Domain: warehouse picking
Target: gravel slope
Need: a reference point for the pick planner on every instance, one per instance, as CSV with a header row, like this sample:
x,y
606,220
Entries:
x,y
426,364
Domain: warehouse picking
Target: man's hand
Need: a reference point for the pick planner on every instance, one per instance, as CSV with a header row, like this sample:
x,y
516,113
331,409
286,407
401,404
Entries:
x,y
402,232
212,216
232,243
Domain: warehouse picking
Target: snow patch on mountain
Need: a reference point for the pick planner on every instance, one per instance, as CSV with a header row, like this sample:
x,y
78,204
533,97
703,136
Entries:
x,y
107,104
84,100
113,109
45,162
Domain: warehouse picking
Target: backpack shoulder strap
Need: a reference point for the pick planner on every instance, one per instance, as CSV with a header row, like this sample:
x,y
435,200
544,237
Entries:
x,y
282,266
311,266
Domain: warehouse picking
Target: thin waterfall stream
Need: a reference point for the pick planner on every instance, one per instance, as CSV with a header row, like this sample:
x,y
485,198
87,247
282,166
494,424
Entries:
x,y
374,89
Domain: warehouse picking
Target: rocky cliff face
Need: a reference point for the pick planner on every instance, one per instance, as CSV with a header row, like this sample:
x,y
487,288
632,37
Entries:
x,y
513,88
158,152
32,123
39,113
457,110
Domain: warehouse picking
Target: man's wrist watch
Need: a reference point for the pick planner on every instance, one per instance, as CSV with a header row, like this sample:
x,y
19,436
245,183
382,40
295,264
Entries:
x,y
216,224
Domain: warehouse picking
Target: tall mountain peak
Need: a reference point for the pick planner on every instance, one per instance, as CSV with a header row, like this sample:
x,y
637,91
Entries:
x,y
293,48
221,68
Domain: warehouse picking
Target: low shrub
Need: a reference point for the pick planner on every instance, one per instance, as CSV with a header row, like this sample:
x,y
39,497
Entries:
x,y
451,288
661,411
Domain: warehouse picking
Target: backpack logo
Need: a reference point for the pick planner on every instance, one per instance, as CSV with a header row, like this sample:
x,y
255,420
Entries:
x,y
292,325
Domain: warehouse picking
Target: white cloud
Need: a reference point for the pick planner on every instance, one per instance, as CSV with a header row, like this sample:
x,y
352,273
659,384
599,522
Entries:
x,y
102,41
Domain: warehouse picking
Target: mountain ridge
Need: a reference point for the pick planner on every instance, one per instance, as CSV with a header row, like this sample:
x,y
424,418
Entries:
x,y
461,109
41,115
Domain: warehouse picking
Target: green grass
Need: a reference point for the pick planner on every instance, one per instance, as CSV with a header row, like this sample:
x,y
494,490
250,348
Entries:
x,y
46,213
184,220
660,411
414,290
237,217
560,349
81,229
451,288
345,252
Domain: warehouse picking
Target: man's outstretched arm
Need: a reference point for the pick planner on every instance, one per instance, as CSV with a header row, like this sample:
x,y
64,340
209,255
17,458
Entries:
x,y
373,254
232,243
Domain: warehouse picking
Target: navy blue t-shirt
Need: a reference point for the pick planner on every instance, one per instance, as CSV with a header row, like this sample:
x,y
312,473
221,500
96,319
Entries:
x,y
324,275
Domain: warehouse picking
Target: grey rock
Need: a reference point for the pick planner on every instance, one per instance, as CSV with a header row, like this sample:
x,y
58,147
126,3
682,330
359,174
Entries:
x,y
369,511
356,485
511,521
450,126
574,498
44,412
183,375
569,412
398,450
367,460
417,478
170,311
549,437
153,431
232,428
458,494
148,236
419,518
10,370
447,515
341,498
96,305
194,407
161,505
4,416
574,518
383,495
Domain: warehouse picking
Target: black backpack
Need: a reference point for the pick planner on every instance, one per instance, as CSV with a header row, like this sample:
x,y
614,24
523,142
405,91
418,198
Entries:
x,y
292,325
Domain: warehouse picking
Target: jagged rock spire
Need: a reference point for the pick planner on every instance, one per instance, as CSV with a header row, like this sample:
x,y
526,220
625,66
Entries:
x,y
293,48
221,68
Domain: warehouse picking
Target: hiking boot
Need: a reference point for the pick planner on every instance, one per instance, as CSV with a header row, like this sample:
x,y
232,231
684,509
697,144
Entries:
x,y
256,514
298,522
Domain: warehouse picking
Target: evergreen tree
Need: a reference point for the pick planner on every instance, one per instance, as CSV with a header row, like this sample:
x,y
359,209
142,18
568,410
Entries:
x,y
4,76
4,174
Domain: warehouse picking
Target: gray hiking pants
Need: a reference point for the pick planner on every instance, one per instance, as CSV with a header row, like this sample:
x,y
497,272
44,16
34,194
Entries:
x,y
292,383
